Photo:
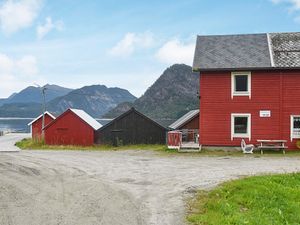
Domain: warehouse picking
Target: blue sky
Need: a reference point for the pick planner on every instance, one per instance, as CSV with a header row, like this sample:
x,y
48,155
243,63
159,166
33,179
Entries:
x,y
127,44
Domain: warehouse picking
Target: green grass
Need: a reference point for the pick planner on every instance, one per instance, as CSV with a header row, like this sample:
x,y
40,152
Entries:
x,y
28,143
31,144
269,199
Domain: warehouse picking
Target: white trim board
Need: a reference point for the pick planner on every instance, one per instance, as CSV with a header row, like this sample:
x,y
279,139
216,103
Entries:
x,y
248,134
246,93
292,136
270,49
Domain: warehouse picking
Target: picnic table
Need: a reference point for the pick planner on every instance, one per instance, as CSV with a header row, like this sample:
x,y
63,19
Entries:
x,y
272,145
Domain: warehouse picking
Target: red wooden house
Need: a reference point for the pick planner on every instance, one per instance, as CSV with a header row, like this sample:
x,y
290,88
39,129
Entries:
x,y
250,88
73,127
36,124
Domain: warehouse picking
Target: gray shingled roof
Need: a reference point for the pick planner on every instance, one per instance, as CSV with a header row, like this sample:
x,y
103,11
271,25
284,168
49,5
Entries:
x,y
184,119
247,51
286,49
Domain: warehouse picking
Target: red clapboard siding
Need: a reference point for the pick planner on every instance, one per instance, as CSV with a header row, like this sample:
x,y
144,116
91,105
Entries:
x,y
192,124
37,126
277,91
69,129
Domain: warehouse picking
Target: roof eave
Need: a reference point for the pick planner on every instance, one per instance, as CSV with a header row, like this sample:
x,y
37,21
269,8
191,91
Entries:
x,y
244,68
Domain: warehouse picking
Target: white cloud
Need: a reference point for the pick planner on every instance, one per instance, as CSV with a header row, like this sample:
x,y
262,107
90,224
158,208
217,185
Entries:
x,y
131,42
294,5
16,74
43,30
16,15
175,51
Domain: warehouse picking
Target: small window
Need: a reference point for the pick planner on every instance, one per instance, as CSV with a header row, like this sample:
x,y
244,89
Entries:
x,y
295,127
241,84
240,125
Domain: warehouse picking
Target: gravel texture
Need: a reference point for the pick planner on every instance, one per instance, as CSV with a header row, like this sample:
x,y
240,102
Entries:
x,y
114,187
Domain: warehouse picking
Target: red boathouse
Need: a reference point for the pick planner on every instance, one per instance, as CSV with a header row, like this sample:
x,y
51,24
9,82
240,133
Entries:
x,y
250,88
36,125
73,127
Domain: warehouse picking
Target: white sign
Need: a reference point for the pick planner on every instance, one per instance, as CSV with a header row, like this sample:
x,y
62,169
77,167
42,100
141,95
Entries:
x,y
265,113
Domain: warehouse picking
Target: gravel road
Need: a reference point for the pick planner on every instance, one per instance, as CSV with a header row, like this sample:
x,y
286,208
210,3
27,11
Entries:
x,y
113,187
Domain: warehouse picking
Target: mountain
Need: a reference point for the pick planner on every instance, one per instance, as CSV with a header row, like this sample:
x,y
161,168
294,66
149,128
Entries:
x,y
33,94
24,110
173,94
2,101
96,100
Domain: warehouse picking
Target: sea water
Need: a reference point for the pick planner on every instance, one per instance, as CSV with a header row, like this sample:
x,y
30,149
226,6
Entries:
x,y
21,124
15,124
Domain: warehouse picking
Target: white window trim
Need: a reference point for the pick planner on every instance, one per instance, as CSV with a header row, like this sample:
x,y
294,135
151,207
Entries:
x,y
292,136
240,93
248,134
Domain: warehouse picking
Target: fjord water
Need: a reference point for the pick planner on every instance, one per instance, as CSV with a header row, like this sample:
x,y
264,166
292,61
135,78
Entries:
x,y
15,124
21,124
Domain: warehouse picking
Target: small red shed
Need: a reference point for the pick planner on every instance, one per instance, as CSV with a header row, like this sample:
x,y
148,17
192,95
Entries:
x,y
73,127
36,125
190,120
188,125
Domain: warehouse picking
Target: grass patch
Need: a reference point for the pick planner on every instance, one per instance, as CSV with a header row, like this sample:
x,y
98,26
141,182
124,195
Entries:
x,y
269,199
28,143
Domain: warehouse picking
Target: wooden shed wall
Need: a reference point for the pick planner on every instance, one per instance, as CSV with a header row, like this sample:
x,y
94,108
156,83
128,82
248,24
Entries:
x,y
69,129
192,124
132,128
36,127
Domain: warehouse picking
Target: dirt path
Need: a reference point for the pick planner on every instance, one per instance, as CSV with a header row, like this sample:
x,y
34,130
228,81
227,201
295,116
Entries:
x,y
124,187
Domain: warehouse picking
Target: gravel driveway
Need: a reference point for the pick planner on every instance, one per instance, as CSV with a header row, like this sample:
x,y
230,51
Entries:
x,y
114,187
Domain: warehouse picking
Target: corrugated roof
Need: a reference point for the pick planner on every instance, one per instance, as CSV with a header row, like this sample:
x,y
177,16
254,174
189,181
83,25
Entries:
x,y
87,118
184,119
247,51
48,113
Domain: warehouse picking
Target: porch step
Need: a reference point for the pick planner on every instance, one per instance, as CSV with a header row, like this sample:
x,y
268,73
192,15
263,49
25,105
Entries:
x,y
190,149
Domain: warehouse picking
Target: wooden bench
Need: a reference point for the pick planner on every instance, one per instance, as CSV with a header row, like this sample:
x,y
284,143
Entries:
x,y
271,145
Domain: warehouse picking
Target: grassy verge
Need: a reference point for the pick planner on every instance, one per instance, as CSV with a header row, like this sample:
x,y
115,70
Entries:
x,y
28,143
270,199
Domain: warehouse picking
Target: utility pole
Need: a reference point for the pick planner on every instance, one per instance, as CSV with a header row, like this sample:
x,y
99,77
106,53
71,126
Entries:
x,y
43,89
44,109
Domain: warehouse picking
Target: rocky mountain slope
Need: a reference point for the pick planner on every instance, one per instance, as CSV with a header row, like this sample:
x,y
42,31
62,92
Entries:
x,y
173,94
33,94
95,100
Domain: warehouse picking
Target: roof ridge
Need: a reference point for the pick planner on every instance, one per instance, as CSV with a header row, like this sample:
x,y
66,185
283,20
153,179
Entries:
x,y
270,49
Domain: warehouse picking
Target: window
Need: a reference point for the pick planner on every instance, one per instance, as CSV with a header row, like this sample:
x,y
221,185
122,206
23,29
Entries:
x,y
240,125
240,84
295,127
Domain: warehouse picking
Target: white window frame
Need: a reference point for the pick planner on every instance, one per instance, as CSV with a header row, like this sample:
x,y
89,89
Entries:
x,y
248,134
292,135
240,93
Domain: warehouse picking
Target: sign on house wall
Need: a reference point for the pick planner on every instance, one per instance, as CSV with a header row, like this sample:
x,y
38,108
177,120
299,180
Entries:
x,y
264,113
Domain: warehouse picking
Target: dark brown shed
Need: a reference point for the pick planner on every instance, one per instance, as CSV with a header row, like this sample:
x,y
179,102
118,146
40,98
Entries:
x,y
132,127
